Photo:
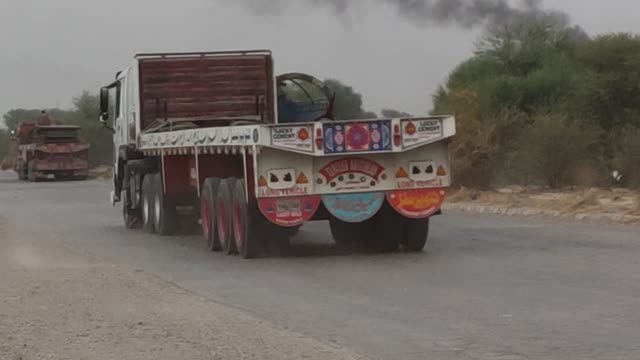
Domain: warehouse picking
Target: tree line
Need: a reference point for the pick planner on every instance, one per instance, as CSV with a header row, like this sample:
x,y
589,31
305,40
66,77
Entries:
x,y
538,103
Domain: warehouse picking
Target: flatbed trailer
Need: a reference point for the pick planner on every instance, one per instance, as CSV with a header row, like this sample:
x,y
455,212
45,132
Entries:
x,y
200,134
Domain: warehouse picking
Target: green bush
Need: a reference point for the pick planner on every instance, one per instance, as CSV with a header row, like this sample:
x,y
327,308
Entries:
x,y
554,149
628,159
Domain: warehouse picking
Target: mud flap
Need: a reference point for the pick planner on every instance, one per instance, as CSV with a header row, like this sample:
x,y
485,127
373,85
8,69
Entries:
x,y
290,211
354,208
417,204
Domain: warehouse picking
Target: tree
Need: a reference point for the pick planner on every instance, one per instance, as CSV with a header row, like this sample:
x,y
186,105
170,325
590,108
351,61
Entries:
x,y
4,142
369,115
348,102
527,75
85,115
391,113
13,117
553,148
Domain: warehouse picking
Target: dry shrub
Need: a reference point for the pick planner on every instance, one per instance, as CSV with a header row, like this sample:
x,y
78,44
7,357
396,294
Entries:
x,y
478,147
585,200
9,160
553,149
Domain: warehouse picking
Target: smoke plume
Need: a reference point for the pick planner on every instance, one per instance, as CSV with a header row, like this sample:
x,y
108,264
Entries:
x,y
465,13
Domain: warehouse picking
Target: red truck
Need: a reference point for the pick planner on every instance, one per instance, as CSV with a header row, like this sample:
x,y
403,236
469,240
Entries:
x,y
48,151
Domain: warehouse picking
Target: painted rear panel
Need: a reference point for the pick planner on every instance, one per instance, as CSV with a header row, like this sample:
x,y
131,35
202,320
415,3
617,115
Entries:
x,y
284,173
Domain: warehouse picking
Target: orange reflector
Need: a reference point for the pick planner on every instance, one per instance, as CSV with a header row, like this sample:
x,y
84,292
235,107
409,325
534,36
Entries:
x,y
401,174
303,134
262,181
411,129
441,171
302,179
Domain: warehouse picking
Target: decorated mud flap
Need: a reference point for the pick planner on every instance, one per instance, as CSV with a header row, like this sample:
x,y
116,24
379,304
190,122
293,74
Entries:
x,y
417,203
289,211
354,208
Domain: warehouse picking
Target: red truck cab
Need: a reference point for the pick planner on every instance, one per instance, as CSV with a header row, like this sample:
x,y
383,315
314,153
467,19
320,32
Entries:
x,y
48,151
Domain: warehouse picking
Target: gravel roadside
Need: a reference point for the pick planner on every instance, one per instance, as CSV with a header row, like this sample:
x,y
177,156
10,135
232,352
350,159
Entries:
x,y
56,303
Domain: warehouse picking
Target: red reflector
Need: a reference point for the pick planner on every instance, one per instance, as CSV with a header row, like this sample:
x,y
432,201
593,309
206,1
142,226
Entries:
x,y
319,140
303,134
397,135
302,179
402,174
410,129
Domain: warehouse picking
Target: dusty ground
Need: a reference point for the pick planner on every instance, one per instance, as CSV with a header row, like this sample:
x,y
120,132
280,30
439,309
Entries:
x,y
73,280
615,205
56,303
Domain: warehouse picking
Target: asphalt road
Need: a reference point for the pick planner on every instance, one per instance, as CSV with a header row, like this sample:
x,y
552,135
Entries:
x,y
486,288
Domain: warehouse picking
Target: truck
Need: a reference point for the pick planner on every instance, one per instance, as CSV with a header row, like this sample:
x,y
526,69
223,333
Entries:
x,y
250,157
50,151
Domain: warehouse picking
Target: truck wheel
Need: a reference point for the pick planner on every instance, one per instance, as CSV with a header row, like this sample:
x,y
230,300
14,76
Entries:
x,y
387,232
208,213
224,206
345,233
415,234
22,173
248,226
131,216
164,211
148,217
31,172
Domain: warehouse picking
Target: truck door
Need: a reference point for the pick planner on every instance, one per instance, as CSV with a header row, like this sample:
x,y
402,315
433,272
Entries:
x,y
120,124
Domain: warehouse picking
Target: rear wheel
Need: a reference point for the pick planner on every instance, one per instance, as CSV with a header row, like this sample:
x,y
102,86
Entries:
x,y
415,233
164,210
22,172
224,208
387,228
148,223
248,226
131,217
345,233
208,213
31,172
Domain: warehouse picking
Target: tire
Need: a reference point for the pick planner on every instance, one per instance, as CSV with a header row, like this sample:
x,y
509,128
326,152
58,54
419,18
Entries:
x,y
345,233
131,217
208,213
31,174
21,172
415,234
148,223
387,228
224,203
248,225
294,231
165,215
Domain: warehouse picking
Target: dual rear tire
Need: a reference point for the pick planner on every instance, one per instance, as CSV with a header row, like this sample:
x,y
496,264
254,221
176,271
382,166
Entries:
x,y
158,212
385,232
230,223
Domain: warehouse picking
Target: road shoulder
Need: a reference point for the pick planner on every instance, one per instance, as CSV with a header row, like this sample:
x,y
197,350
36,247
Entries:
x,y
56,303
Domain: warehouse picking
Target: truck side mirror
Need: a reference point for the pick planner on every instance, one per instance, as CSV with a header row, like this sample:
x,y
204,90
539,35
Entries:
x,y
104,104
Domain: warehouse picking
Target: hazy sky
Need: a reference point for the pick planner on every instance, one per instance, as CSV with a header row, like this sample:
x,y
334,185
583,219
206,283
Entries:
x,y
52,50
